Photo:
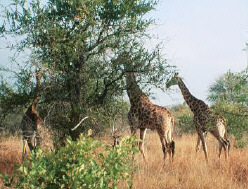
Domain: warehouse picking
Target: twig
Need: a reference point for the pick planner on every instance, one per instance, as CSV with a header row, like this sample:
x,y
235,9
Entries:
x,y
80,123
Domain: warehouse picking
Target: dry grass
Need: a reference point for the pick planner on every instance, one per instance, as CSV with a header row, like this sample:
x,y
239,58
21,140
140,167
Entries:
x,y
10,155
189,170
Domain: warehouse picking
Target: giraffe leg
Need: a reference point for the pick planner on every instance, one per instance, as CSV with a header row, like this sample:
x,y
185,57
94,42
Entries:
x,y
199,144
220,148
24,149
162,139
133,131
170,145
141,143
226,145
204,145
172,150
30,145
37,140
169,148
223,143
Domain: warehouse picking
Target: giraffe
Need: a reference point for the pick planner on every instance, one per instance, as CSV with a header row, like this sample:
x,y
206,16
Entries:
x,y
205,120
143,115
31,121
116,135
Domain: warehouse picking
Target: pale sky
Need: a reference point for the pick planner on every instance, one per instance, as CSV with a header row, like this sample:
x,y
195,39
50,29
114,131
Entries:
x,y
203,38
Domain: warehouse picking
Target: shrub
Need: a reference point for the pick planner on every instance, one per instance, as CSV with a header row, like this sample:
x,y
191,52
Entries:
x,y
85,163
186,124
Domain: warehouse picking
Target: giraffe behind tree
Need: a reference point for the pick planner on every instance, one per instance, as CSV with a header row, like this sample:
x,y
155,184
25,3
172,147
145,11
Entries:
x,y
205,120
31,121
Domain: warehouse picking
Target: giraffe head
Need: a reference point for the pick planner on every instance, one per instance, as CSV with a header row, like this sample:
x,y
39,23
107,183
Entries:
x,y
38,74
173,81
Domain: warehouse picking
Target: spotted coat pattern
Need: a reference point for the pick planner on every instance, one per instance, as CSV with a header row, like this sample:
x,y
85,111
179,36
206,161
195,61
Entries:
x,y
205,120
31,121
143,115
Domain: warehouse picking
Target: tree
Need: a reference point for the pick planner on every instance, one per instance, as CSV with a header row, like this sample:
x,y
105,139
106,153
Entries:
x,y
78,45
183,119
231,88
229,95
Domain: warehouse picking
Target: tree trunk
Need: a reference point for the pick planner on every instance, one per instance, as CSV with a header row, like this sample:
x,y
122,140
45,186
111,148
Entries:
x,y
79,97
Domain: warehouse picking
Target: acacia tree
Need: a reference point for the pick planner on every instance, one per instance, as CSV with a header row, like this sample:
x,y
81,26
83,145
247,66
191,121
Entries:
x,y
77,44
229,95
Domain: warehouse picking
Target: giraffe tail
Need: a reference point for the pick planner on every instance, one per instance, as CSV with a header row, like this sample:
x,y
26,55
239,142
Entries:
x,y
172,143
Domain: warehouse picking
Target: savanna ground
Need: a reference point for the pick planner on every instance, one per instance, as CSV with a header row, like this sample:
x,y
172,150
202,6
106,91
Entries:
x,y
189,170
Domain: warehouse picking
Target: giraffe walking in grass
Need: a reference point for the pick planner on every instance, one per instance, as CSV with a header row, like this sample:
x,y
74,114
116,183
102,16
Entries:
x,y
205,120
143,115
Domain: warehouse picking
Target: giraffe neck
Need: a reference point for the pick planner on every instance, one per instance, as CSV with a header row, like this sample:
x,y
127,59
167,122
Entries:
x,y
37,88
134,92
194,104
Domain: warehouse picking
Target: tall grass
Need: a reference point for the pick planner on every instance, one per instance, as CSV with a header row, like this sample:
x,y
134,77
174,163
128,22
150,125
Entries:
x,y
10,155
188,170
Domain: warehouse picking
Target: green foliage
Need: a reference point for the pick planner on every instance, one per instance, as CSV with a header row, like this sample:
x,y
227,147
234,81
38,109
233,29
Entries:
x,y
237,120
186,124
82,164
229,95
8,181
18,93
230,88
79,46
183,119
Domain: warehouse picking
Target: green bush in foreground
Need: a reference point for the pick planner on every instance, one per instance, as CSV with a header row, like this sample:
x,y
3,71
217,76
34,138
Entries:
x,y
85,163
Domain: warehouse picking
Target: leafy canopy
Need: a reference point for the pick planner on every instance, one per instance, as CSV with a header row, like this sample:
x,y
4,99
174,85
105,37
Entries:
x,y
77,45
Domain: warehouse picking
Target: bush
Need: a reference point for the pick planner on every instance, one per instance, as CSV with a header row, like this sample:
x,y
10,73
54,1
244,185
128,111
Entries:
x,y
85,163
183,119
186,124
237,121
